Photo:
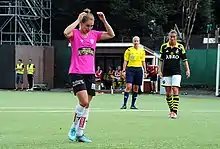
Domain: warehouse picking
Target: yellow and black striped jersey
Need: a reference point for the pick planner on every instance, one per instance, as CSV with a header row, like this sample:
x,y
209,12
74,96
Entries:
x,y
171,58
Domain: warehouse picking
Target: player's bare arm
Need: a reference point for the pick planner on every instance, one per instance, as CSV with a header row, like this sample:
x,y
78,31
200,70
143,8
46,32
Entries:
x,y
124,68
186,64
185,61
144,66
109,31
68,32
162,57
159,69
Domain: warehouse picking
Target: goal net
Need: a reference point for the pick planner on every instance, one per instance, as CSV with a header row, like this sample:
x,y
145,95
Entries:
x,y
217,87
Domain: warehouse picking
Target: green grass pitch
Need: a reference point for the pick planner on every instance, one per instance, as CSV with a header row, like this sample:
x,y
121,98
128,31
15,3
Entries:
x,y
41,120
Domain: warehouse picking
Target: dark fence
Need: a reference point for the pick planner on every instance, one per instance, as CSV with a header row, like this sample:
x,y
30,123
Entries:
x,y
42,57
7,66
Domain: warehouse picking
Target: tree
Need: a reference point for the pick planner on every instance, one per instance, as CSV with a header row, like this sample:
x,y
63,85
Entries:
x,y
119,9
133,17
205,15
216,7
189,10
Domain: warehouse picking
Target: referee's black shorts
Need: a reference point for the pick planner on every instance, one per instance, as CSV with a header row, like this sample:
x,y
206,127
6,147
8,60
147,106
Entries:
x,y
134,75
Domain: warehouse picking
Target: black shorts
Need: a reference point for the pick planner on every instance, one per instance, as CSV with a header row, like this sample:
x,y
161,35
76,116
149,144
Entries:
x,y
83,82
134,75
153,77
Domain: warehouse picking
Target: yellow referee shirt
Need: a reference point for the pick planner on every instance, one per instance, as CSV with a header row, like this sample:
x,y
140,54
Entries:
x,y
135,57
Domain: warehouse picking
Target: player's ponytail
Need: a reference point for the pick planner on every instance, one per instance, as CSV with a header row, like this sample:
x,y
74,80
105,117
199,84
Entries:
x,y
87,10
89,15
172,32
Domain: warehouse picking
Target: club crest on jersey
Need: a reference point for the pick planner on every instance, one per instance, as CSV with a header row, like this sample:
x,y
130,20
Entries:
x,y
132,57
177,51
92,41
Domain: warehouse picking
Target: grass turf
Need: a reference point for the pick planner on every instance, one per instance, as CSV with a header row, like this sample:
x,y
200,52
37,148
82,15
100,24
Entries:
x,y
41,120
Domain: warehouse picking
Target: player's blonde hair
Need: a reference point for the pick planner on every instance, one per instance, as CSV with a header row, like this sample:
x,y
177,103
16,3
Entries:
x,y
89,15
135,38
172,32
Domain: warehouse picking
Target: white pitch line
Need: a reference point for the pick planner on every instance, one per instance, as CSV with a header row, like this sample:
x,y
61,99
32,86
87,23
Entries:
x,y
42,108
68,111
53,111
97,111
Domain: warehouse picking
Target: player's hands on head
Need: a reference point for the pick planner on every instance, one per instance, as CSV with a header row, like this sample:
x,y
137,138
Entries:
x,y
101,16
81,15
187,73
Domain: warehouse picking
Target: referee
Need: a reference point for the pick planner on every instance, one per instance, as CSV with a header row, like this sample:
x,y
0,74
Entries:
x,y
171,54
19,74
134,61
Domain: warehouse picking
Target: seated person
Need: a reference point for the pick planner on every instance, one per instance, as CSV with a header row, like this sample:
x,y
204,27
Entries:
x,y
98,78
111,73
153,77
117,76
109,78
98,74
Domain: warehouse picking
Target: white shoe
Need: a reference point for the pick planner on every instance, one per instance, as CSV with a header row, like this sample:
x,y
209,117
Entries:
x,y
173,115
29,89
169,115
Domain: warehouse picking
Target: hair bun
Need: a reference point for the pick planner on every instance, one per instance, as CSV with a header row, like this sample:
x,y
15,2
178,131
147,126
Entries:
x,y
87,10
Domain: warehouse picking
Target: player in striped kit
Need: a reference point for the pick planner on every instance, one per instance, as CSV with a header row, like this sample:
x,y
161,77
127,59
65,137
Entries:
x,y
171,54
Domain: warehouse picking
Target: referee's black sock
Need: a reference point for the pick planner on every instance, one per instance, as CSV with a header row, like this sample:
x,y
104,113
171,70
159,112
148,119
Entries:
x,y
169,100
126,96
134,97
175,103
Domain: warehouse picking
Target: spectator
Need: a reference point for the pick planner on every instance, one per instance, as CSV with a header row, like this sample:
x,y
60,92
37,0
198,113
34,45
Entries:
x,y
19,74
98,74
152,69
30,74
117,76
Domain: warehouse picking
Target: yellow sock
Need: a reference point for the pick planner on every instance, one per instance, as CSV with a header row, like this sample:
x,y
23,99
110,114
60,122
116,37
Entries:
x,y
175,103
170,102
